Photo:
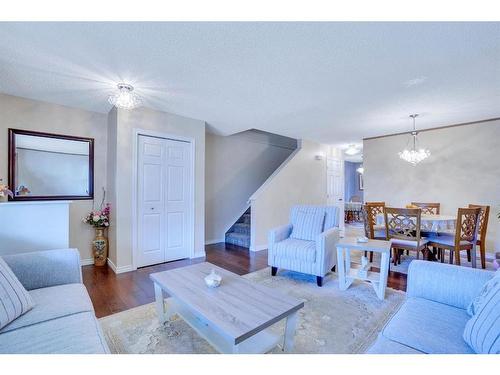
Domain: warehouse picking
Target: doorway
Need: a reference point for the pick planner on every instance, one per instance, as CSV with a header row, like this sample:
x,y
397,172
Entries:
x,y
164,199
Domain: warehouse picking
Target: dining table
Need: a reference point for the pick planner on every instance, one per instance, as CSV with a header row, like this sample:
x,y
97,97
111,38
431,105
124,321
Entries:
x,y
430,223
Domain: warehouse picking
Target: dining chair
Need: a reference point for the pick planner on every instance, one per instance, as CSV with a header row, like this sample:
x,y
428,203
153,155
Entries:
x,y
465,236
402,227
373,231
428,208
481,232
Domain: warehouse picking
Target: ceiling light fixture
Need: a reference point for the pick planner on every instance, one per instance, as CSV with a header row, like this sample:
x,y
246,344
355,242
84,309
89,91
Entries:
x,y
352,150
414,155
124,97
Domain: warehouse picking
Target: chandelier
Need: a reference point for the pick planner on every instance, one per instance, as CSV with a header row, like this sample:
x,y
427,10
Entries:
x,y
414,155
124,97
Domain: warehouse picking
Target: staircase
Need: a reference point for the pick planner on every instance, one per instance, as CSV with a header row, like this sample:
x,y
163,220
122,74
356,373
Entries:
x,y
239,233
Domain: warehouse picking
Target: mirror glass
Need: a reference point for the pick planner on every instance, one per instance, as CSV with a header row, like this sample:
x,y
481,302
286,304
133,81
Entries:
x,y
51,167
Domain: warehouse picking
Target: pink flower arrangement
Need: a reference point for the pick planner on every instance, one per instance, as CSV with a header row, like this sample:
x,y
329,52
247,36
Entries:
x,y
98,218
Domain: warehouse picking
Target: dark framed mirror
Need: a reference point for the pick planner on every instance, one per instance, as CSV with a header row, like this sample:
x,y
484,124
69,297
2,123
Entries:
x,y
44,166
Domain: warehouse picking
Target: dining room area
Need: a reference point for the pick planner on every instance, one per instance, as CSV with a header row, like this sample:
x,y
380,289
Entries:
x,y
433,193
420,231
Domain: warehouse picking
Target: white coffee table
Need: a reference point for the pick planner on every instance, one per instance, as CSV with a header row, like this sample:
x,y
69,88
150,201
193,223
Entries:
x,y
234,317
347,275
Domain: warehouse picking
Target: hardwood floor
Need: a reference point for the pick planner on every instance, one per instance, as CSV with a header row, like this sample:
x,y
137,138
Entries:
x,y
112,293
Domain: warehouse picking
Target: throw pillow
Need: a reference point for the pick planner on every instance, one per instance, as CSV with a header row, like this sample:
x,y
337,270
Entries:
x,y
476,303
482,331
14,298
307,225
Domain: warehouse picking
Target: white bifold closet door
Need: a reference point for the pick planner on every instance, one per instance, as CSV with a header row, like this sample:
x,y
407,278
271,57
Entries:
x,y
163,200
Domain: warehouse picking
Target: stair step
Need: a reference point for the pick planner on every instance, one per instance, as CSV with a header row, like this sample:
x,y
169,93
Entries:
x,y
239,239
243,228
245,219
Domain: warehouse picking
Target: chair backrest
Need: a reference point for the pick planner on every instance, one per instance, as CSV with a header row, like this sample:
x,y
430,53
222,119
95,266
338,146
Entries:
x,y
467,225
483,221
371,210
428,208
355,198
403,223
331,214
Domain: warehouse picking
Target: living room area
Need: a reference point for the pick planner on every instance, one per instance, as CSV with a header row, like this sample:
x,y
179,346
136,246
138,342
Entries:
x,y
280,189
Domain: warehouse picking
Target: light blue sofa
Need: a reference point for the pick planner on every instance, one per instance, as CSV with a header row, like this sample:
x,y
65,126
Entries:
x,y
316,257
63,319
433,317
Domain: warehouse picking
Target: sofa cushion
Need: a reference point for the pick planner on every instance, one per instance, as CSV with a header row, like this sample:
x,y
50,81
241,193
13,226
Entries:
x,y
53,302
14,298
482,331
300,250
307,224
429,327
386,346
73,334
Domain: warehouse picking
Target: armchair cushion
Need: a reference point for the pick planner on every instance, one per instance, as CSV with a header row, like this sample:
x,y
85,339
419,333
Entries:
x,y
307,224
14,298
300,250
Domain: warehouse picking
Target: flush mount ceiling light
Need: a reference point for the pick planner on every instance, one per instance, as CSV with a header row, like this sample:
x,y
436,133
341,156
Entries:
x,y
414,155
124,97
352,150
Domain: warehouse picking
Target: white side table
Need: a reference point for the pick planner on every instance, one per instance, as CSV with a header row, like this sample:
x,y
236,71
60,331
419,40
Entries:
x,y
347,274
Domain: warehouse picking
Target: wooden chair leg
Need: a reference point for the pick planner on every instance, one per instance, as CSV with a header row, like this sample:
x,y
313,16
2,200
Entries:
x,y
366,253
482,251
457,257
418,254
451,256
468,256
407,252
441,254
371,256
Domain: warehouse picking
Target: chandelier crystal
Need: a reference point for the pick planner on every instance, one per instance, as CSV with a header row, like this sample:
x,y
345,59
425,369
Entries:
x,y
414,155
124,97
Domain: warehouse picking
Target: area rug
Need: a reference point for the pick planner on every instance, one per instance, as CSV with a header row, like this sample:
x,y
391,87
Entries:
x,y
332,321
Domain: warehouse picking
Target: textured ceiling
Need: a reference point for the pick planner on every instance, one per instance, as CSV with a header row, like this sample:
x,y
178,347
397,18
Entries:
x,y
329,82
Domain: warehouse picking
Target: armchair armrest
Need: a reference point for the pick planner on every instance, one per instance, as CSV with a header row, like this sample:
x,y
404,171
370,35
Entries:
x,y
42,269
326,251
445,283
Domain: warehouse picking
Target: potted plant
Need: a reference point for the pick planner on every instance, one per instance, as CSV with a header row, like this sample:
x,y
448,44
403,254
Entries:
x,y
99,219
5,192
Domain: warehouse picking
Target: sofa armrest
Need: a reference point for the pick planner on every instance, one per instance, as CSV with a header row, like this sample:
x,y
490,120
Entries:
x,y
445,283
42,269
326,250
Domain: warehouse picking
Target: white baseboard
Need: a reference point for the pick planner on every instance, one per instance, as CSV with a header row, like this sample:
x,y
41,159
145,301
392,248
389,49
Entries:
x,y
199,255
121,269
87,262
258,248
211,242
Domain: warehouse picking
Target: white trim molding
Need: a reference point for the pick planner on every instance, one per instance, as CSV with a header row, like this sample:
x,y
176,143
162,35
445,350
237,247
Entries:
x,y
87,262
258,248
121,269
211,242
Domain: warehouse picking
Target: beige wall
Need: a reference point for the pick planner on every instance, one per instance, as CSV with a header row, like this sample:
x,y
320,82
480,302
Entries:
x,y
301,181
235,167
464,168
143,118
20,113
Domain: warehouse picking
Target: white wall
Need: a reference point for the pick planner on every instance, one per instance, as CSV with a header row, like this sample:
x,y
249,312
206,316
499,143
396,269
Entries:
x,y
20,113
464,167
235,167
143,118
301,181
